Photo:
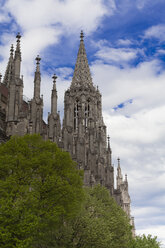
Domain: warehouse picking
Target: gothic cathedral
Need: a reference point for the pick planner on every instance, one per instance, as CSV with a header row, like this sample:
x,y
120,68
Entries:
x,y
83,132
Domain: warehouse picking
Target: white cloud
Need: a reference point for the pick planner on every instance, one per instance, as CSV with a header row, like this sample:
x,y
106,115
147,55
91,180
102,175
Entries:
x,y
139,139
124,42
71,14
117,55
157,230
157,31
137,134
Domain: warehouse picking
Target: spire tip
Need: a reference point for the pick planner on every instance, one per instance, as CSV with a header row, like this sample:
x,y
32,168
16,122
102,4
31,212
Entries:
x,y
38,59
54,78
81,36
18,37
118,162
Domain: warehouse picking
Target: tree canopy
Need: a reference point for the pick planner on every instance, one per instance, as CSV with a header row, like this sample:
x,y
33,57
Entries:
x,y
145,242
101,222
40,189
43,203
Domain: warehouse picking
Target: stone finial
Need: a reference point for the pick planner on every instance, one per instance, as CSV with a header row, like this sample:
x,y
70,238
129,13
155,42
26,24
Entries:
x,y
38,60
126,177
54,81
18,44
18,37
11,50
81,36
54,78
118,162
38,63
108,138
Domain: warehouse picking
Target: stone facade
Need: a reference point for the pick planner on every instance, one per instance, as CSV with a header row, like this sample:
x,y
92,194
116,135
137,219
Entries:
x,y
83,133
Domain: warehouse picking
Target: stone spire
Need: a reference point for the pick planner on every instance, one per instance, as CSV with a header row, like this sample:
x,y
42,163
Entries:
x,y
54,97
10,68
109,152
108,138
37,79
17,57
119,177
82,75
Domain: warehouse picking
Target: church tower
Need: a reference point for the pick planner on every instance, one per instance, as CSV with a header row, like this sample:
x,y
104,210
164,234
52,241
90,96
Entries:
x,y
84,132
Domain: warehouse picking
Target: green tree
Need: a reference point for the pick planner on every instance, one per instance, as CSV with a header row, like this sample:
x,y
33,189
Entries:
x,y
101,222
145,242
40,191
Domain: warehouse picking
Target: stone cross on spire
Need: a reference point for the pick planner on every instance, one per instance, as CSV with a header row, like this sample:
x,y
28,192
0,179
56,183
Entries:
x,y
82,75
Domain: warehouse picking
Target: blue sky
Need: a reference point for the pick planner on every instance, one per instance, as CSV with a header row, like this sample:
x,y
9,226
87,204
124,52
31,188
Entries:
x,y
125,43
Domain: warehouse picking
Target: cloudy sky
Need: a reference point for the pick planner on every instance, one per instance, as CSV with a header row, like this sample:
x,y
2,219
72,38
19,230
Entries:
x,y
126,52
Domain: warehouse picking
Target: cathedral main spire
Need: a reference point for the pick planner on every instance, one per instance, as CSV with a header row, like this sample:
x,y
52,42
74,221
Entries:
x,y
82,74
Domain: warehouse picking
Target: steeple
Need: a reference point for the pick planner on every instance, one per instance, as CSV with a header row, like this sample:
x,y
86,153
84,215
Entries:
x,y
10,68
109,152
108,138
37,79
17,57
82,75
54,97
119,177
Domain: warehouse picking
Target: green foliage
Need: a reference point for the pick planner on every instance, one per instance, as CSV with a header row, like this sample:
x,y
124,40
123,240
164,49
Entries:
x,y
43,203
40,190
145,242
101,222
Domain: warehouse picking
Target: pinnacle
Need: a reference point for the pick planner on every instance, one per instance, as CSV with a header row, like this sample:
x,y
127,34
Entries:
x,y
18,50
18,37
38,59
54,78
54,81
118,162
38,63
81,36
82,75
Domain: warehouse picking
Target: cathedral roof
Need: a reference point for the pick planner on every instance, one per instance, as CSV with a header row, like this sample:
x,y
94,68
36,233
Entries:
x,y
82,74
